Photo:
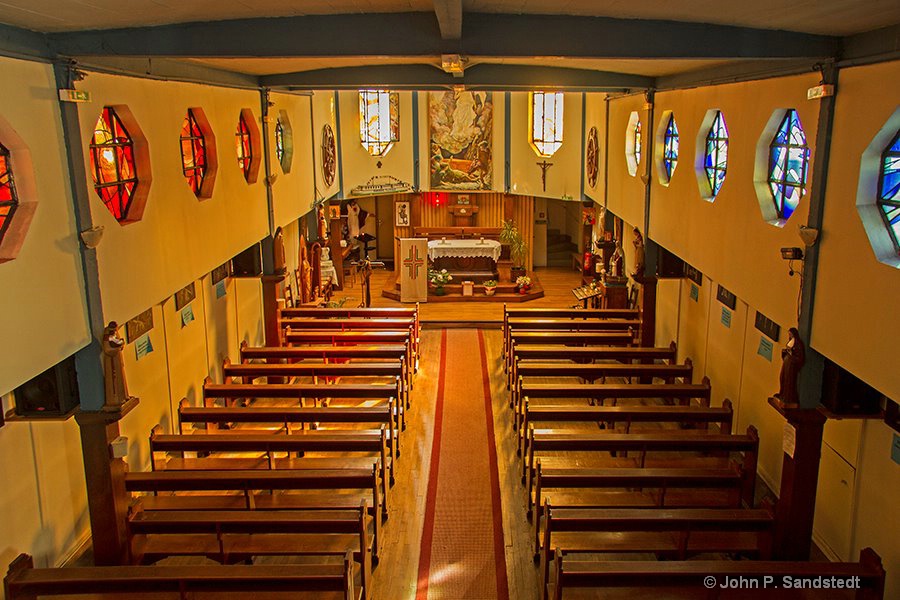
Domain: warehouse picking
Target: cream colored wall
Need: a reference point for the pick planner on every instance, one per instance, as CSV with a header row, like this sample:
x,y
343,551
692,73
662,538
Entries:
x,y
856,296
668,308
724,348
357,163
728,239
626,193
693,324
595,116
221,325
564,177
248,293
292,192
179,236
186,349
324,113
42,306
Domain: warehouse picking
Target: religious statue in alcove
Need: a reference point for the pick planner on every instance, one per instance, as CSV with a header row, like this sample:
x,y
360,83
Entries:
x,y
305,283
279,264
793,357
617,262
638,254
113,366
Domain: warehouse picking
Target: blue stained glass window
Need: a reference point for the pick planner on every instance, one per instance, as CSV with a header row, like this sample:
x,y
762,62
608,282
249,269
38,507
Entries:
x,y
670,148
716,159
788,165
889,189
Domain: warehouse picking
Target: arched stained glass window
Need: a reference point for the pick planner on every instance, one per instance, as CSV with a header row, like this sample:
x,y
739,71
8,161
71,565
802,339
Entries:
x,y
715,161
112,164
379,120
788,165
546,111
284,141
244,146
637,142
633,143
279,139
670,148
889,189
9,200
193,152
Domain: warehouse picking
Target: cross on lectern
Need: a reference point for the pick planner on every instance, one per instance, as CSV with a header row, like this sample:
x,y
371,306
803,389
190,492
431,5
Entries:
x,y
413,262
544,165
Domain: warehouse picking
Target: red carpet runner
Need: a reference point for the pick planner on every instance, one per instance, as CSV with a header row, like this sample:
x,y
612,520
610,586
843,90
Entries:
x,y
462,552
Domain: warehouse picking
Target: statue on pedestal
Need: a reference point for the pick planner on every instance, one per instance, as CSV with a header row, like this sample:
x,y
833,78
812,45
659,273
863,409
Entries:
x,y
638,254
617,261
113,366
793,357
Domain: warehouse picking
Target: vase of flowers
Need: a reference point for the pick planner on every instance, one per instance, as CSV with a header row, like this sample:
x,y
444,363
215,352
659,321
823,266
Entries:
x,y
490,286
438,280
523,284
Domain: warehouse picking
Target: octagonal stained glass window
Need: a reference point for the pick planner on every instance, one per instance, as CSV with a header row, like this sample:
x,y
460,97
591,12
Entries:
x,y
9,199
889,189
670,148
788,165
193,152
112,164
715,161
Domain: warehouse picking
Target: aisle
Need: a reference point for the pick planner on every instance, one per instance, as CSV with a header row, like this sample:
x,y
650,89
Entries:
x,y
462,550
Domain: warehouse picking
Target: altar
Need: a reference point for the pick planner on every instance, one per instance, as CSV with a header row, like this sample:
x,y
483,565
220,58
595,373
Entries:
x,y
466,259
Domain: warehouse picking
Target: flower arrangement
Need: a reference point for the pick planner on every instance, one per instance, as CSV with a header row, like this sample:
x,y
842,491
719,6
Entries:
x,y
490,283
439,278
523,281
490,286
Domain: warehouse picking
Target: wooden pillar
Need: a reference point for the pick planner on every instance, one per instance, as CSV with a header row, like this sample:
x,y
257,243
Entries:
x,y
799,480
270,285
105,481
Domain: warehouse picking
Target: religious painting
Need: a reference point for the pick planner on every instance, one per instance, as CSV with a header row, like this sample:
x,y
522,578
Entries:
x,y
334,212
402,214
184,296
220,273
461,126
139,325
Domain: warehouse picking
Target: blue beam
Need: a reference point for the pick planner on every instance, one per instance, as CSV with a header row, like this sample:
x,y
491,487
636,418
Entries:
x,y
21,43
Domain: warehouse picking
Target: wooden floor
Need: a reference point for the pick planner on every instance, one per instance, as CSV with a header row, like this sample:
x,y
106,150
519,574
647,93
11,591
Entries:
x,y
557,283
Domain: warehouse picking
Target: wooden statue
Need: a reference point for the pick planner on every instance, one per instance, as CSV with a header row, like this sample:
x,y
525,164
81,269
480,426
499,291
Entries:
x,y
321,222
793,357
305,282
617,262
638,254
113,365
316,262
279,264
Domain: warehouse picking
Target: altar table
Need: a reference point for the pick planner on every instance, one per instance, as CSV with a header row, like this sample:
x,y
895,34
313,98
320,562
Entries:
x,y
473,260
464,249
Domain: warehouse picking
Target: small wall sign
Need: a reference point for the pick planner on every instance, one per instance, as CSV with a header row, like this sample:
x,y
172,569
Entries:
x,y
726,298
139,325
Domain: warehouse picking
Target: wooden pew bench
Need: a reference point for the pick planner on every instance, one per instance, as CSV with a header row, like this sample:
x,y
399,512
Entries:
x,y
517,339
513,325
587,354
662,446
677,532
236,536
308,337
353,313
572,579
353,324
209,582
575,314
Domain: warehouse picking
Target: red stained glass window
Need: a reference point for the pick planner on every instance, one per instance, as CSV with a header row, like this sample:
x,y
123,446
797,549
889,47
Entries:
x,y
193,152
112,164
8,198
244,149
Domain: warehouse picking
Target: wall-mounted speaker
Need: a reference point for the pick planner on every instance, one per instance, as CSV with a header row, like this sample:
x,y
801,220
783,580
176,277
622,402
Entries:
x,y
248,263
52,393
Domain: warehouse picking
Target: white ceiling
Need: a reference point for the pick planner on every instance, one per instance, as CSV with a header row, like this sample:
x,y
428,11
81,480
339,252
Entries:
x,y
830,17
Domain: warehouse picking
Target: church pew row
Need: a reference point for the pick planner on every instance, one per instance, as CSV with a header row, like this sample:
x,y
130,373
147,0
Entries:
x,y
264,447
353,313
611,415
252,489
331,354
672,532
578,315
719,446
389,394
235,536
210,582
511,326
304,324
587,354
247,372
592,372
598,393
684,580
518,339
308,337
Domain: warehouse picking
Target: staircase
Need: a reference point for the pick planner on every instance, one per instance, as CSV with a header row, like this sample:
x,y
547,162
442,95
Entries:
x,y
559,249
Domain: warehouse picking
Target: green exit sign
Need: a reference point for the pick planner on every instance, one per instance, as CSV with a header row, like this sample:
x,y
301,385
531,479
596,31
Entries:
x,y
74,96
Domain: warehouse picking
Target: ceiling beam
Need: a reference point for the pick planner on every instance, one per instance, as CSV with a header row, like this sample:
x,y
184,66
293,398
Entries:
x,y
477,77
415,34
449,16
744,70
167,69
21,43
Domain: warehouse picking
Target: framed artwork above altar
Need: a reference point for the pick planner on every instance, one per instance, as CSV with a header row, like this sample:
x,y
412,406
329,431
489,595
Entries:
x,y
402,213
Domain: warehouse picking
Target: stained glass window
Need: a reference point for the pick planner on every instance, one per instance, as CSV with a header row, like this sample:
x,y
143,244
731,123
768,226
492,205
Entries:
x,y
244,147
716,158
889,189
637,142
670,147
112,164
193,152
546,122
8,197
788,162
379,120
279,139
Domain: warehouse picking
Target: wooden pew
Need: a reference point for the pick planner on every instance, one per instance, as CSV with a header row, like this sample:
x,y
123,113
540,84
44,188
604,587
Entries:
x,y
235,536
518,339
675,532
579,315
619,580
343,338
304,324
353,313
213,582
266,445
588,354
610,415
517,327
663,441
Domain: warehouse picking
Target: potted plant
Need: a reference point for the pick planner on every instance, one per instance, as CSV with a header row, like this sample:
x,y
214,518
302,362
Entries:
x,y
490,286
438,280
523,283
518,248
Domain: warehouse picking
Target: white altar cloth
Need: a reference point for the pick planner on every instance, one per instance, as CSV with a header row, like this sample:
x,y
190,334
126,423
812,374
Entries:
x,y
464,248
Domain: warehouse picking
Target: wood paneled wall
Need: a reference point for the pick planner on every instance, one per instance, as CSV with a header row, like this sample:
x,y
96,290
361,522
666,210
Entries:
x,y
431,209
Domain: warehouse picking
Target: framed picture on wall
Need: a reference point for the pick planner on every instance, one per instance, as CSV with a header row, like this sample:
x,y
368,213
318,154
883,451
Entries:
x,y
402,214
334,212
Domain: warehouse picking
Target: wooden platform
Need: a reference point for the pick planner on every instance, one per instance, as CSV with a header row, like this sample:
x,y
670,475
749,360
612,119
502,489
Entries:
x,y
505,292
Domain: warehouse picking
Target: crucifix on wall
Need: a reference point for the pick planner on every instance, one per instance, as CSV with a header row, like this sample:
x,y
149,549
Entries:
x,y
544,165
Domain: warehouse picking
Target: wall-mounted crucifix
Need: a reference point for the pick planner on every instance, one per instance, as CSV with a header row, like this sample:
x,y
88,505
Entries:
x,y
544,165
